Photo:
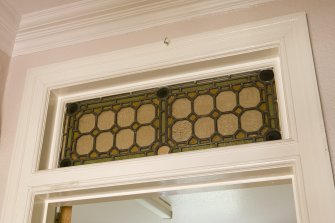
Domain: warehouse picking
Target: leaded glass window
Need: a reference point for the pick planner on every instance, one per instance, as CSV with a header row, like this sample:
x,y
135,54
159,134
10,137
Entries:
x,y
217,112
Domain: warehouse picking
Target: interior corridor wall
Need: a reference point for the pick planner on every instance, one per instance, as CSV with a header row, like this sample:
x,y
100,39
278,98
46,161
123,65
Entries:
x,y
321,18
4,64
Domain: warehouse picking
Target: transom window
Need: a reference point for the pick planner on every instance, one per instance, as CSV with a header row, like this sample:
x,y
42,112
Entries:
x,y
216,112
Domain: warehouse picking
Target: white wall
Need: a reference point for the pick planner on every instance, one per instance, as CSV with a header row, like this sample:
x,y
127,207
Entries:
x,y
321,18
266,204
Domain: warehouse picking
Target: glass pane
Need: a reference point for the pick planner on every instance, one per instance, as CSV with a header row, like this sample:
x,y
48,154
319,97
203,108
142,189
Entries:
x,y
217,112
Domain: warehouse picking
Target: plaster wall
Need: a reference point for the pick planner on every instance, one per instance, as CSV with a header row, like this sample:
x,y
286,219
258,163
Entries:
x,y
4,64
273,204
322,31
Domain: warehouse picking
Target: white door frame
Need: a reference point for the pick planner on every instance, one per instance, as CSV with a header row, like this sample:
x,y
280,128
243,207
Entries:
x,y
304,150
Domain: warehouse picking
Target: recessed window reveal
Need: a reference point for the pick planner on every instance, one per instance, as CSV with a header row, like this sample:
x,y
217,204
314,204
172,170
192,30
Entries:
x,y
217,112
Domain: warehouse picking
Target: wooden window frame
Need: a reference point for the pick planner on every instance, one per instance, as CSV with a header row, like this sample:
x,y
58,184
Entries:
x,y
303,150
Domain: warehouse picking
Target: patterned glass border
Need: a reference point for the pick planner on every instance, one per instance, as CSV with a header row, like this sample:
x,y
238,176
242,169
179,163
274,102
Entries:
x,y
217,112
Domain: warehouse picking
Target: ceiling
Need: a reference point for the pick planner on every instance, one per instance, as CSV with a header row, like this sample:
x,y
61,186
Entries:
x,y
28,6
264,204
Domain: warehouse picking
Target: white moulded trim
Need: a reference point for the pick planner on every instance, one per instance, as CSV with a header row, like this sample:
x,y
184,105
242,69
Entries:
x,y
304,150
91,19
157,206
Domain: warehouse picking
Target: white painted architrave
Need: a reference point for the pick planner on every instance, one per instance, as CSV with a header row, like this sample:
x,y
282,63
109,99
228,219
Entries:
x,y
305,149
266,58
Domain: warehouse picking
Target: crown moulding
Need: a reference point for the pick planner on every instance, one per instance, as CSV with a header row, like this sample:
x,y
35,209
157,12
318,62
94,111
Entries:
x,y
91,19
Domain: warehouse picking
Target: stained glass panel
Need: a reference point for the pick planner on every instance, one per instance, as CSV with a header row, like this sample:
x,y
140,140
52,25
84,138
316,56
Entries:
x,y
217,112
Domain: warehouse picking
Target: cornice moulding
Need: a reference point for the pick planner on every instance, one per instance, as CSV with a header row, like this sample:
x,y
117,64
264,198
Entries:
x,y
9,22
91,19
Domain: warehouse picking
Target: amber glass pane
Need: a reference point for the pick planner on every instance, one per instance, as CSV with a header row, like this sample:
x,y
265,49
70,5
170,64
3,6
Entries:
x,y
217,112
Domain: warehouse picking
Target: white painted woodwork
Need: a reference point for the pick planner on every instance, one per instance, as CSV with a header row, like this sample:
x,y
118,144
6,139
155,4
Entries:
x,y
303,151
86,20
157,206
